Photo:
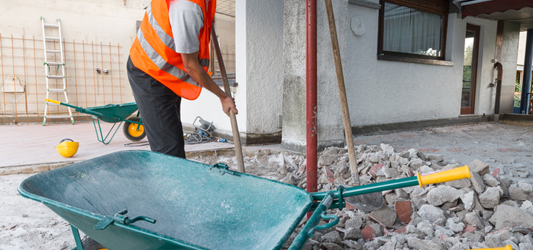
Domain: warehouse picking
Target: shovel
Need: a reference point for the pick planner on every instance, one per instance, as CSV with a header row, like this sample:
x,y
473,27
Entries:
x,y
365,202
234,126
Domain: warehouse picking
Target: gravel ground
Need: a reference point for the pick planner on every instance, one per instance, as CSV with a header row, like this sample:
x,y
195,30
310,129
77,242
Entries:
x,y
26,224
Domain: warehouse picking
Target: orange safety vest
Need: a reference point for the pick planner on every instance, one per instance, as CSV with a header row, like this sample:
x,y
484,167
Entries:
x,y
153,50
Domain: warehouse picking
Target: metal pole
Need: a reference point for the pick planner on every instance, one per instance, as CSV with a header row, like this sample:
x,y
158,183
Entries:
x,y
311,94
25,79
526,84
35,75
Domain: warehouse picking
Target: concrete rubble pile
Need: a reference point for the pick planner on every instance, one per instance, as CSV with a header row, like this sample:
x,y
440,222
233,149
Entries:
x,y
489,210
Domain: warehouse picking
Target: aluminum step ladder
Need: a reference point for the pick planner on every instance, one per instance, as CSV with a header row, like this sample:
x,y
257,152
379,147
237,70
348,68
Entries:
x,y
48,65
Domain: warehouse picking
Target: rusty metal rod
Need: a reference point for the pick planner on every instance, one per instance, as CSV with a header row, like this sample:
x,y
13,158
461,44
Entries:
x,y
311,95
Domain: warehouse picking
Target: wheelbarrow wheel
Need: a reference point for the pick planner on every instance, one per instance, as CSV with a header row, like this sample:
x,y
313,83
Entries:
x,y
131,132
89,244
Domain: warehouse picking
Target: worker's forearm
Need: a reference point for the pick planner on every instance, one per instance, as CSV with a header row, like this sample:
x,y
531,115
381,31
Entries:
x,y
200,76
198,73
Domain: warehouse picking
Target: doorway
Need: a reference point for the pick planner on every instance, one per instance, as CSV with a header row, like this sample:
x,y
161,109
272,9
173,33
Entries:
x,y
468,95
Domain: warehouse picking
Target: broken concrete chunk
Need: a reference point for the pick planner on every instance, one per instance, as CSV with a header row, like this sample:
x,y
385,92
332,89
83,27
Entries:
x,y
377,228
473,219
354,222
332,237
455,226
426,228
332,246
430,213
479,167
425,169
527,207
290,179
525,186
476,236
462,183
491,197
415,243
282,170
490,180
501,218
437,158
477,182
442,232
385,215
517,193
442,194
353,234
387,149
468,200
416,163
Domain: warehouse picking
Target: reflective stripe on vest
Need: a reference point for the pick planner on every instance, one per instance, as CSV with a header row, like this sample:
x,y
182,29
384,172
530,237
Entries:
x,y
154,51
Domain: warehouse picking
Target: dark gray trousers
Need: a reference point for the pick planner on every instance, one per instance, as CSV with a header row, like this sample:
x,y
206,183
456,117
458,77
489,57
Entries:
x,y
160,112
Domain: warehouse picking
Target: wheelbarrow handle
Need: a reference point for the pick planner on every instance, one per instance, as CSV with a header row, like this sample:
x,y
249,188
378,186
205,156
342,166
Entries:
x,y
312,224
83,110
508,247
419,179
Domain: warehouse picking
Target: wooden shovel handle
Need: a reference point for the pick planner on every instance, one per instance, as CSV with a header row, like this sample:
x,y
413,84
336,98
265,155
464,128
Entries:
x,y
234,127
342,93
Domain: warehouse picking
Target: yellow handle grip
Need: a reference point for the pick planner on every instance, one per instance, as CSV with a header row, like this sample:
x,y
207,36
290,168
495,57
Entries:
x,y
443,176
53,101
508,247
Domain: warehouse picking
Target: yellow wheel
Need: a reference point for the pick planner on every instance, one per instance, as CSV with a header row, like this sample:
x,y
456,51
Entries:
x,y
133,131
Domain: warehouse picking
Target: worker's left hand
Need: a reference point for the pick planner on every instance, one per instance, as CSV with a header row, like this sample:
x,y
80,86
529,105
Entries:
x,y
228,104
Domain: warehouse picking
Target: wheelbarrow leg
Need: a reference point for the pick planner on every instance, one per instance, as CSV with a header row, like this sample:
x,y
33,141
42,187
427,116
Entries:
x,y
77,238
100,136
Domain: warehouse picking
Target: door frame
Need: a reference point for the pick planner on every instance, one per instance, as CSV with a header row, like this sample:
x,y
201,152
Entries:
x,y
477,29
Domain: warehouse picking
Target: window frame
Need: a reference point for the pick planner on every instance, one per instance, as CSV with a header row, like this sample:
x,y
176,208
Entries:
x,y
439,7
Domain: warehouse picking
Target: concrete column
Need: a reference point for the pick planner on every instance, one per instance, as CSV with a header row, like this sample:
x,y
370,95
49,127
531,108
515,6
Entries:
x,y
329,116
526,84
259,49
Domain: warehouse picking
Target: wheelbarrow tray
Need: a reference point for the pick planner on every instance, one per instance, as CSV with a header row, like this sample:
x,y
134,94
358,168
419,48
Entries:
x,y
112,112
196,206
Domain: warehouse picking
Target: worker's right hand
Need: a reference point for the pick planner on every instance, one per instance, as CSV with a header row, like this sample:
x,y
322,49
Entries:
x,y
228,104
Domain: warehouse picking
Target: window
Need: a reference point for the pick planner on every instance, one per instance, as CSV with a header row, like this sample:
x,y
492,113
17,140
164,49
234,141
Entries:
x,y
413,29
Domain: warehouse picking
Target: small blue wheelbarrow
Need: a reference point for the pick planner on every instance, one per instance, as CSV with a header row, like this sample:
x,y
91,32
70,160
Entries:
x,y
139,200
113,113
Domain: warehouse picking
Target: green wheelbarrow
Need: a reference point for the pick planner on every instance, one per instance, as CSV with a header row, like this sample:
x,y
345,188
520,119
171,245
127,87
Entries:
x,y
139,200
116,114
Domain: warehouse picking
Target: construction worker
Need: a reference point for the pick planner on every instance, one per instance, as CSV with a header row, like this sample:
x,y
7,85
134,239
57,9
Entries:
x,y
169,61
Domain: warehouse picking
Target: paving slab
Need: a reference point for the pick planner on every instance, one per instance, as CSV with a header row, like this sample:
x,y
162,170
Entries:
x,y
34,144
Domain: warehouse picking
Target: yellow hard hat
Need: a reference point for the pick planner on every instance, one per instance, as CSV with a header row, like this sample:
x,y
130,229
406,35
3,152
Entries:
x,y
67,148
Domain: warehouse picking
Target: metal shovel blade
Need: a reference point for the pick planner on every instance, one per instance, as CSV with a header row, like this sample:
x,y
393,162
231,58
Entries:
x,y
366,202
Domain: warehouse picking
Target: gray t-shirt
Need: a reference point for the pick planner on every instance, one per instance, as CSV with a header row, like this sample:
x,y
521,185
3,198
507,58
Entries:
x,y
186,20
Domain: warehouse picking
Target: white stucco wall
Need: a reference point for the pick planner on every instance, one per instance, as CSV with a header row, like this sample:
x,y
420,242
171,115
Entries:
x,y
264,65
379,91
259,44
